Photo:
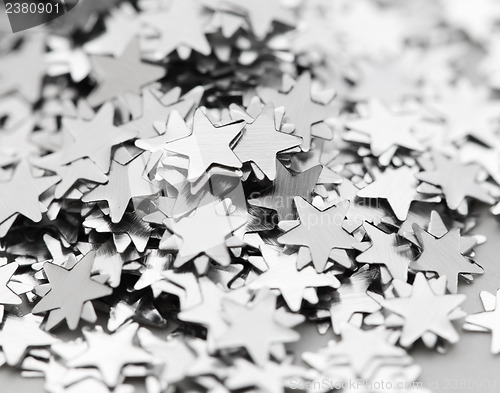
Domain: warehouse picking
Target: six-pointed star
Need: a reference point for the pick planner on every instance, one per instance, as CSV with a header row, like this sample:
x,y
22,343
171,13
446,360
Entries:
x,y
442,256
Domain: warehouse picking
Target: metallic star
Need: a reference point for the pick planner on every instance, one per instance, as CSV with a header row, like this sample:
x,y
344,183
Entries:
x,y
443,256
286,187
70,289
207,145
125,182
95,138
261,142
418,319
320,231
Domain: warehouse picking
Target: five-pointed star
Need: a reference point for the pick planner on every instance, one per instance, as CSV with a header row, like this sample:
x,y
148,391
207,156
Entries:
x,y
154,110
415,310
351,297
254,327
285,188
18,334
28,59
442,256
110,352
320,231
262,13
386,129
20,194
398,186
207,145
205,231
125,182
283,275
300,109
181,25
457,181
70,289
387,249
95,138
362,347
261,142
7,296
489,319
119,75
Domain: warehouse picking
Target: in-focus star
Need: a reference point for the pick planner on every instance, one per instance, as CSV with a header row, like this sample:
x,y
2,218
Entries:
x,y
397,186
261,142
286,187
443,256
207,145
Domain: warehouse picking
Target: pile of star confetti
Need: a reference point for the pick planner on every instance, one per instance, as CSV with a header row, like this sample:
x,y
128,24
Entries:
x,y
186,184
